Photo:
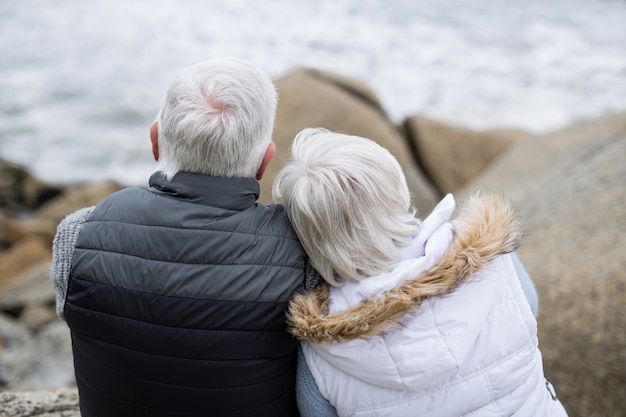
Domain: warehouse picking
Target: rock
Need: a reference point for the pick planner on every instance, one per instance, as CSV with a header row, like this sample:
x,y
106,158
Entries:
x,y
21,191
310,98
57,403
35,317
20,257
35,361
32,288
569,188
10,231
31,297
54,367
451,156
351,85
16,355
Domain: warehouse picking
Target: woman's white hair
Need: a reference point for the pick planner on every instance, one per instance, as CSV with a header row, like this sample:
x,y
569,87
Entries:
x,y
349,203
216,118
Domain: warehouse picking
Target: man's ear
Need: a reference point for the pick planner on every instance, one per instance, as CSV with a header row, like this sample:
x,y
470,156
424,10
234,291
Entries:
x,y
154,139
269,154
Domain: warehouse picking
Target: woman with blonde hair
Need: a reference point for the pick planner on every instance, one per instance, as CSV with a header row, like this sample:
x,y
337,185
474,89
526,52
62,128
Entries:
x,y
414,318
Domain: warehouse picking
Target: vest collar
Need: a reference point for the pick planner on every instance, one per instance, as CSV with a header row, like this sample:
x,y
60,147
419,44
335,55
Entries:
x,y
227,193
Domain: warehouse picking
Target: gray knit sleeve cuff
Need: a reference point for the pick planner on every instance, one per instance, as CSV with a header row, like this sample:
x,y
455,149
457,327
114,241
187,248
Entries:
x,y
62,253
310,401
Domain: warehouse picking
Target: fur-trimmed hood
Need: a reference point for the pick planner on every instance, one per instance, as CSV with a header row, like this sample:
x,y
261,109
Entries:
x,y
485,228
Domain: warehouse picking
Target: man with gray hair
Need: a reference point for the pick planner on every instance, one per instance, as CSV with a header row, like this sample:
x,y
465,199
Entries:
x,y
176,294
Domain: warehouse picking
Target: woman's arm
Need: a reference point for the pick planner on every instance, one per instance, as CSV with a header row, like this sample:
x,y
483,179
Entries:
x,y
311,403
527,284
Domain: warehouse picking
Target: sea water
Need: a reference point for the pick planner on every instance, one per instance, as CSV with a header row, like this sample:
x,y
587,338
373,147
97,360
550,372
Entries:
x,y
80,81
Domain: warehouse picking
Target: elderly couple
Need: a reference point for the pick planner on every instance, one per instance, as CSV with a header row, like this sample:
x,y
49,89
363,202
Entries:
x,y
191,299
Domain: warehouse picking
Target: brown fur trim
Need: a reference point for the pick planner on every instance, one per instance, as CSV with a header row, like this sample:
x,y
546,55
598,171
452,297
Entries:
x,y
486,227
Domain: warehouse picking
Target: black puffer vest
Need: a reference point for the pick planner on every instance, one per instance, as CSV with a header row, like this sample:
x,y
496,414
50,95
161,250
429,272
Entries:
x,y
176,302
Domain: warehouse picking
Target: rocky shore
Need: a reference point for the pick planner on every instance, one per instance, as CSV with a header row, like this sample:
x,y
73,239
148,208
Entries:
x,y
569,187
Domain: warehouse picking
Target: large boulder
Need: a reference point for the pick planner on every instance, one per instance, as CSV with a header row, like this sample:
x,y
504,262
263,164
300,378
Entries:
x,y
451,156
310,98
570,189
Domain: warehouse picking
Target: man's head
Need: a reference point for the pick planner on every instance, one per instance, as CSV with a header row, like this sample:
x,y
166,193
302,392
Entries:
x,y
348,201
216,118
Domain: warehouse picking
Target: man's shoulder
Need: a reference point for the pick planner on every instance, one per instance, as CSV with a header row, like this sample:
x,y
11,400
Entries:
x,y
76,218
70,226
129,198
274,216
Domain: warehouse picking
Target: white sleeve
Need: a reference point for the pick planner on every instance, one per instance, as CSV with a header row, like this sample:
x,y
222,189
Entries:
x,y
62,253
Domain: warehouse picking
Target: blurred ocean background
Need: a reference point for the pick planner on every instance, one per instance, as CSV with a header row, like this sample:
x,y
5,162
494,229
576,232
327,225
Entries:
x,y
80,81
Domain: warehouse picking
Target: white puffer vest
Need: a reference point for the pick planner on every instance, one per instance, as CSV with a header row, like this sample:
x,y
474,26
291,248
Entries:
x,y
471,352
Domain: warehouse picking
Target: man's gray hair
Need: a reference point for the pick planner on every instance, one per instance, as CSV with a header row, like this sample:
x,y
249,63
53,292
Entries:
x,y
349,203
216,118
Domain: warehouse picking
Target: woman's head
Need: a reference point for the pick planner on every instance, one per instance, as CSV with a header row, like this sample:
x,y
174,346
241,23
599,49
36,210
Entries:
x,y
348,201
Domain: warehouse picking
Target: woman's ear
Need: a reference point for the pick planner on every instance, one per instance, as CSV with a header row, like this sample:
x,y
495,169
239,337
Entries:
x,y
269,154
154,139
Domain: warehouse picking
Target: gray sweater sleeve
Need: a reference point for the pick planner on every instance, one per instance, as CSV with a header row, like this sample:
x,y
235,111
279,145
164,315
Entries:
x,y
527,284
62,253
